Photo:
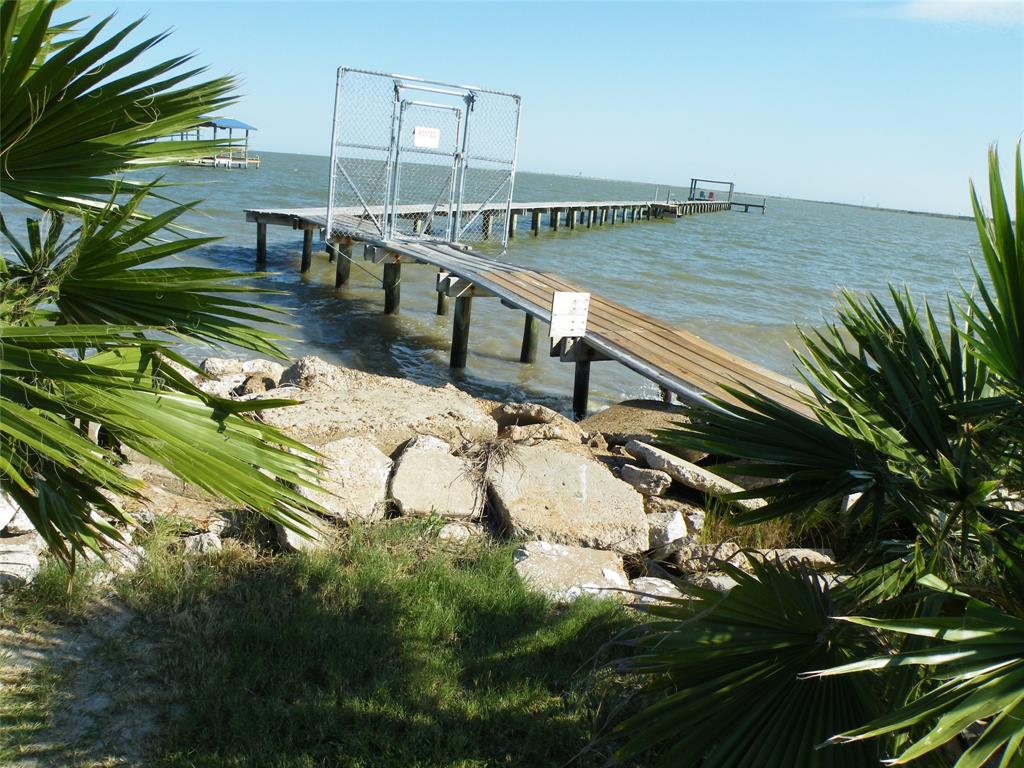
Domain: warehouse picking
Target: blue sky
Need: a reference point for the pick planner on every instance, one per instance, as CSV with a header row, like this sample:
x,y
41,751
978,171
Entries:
x,y
868,103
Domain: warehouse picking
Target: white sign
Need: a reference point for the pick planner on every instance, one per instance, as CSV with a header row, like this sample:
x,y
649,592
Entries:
x,y
569,315
428,138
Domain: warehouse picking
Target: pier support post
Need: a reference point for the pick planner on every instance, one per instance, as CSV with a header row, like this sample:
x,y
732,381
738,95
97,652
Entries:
x,y
553,218
261,244
513,222
332,253
570,218
591,213
581,390
535,224
442,304
307,250
488,222
343,267
611,219
460,331
392,287
417,225
528,353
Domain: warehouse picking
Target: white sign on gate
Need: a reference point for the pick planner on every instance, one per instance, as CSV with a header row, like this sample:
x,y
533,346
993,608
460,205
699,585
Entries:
x,y
569,315
427,138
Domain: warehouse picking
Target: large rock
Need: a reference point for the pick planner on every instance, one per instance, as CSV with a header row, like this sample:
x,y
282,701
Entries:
x,y
201,543
429,480
19,560
315,374
637,420
354,482
219,367
688,474
532,422
692,514
692,557
666,528
653,590
311,537
812,558
649,482
385,411
566,573
8,510
19,525
547,492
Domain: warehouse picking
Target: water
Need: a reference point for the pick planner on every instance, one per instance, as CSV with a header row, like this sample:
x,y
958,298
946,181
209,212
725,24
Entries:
x,y
742,281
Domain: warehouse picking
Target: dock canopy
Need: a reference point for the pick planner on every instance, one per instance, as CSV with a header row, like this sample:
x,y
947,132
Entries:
x,y
225,123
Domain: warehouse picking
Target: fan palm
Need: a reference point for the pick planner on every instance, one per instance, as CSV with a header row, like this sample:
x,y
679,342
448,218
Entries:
x,y
928,429
89,307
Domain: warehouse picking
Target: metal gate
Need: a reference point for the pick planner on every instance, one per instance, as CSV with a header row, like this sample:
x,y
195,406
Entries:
x,y
418,158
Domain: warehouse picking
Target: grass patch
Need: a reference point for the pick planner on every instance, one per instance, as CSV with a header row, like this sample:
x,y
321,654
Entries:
x,y
390,649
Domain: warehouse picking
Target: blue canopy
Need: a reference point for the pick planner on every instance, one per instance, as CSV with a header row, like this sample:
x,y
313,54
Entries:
x,y
226,122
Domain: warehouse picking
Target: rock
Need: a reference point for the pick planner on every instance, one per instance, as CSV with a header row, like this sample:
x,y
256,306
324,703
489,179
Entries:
x,y
692,557
216,367
565,573
254,384
267,368
19,525
201,543
692,514
596,441
649,482
532,422
543,491
715,580
637,420
8,510
459,533
653,590
293,541
354,482
19,561
314,374
812,558
688,474
429,480
386,411
666,528
223,387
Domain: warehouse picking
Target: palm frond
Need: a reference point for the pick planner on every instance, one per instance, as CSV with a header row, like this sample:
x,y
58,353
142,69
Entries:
x,y
75,114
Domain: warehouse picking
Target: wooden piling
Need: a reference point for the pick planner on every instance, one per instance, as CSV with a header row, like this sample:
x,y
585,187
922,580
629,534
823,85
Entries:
x,y
392,287
513,222
487,223
581,390
307,250
261,244
343,267
553,218
535,224
591,214
332,253
460,331
442,304
528,353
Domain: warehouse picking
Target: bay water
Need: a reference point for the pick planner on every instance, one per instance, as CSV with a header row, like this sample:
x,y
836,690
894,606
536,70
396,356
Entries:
x,y
743,281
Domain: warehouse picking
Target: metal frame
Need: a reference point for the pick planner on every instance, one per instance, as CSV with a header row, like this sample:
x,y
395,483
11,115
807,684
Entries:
x,y
462,156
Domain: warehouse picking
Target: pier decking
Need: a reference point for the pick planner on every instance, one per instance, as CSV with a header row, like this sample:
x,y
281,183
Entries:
x,y
679,362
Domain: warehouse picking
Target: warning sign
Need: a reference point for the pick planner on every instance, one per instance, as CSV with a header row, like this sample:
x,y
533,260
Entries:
x,y
428,138
569,315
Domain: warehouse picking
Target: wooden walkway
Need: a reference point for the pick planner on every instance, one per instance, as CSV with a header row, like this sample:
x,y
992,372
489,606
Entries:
x,y
680,362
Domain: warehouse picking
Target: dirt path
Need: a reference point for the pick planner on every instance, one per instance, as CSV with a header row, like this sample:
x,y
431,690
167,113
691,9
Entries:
x,y
77,696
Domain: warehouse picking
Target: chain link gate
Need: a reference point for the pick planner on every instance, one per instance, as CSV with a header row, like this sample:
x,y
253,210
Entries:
x,y
418,158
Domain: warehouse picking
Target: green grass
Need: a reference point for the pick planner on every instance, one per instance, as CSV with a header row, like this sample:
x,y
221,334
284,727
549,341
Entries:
x,y
389,650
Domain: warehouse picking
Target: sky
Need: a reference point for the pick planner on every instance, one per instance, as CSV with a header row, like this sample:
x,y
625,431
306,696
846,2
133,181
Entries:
x,y
889,104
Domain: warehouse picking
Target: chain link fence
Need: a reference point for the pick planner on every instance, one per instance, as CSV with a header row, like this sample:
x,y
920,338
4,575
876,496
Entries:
x,y
412,157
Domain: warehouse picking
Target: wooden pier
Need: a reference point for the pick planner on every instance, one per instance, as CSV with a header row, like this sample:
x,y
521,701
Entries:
x,y
679,362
